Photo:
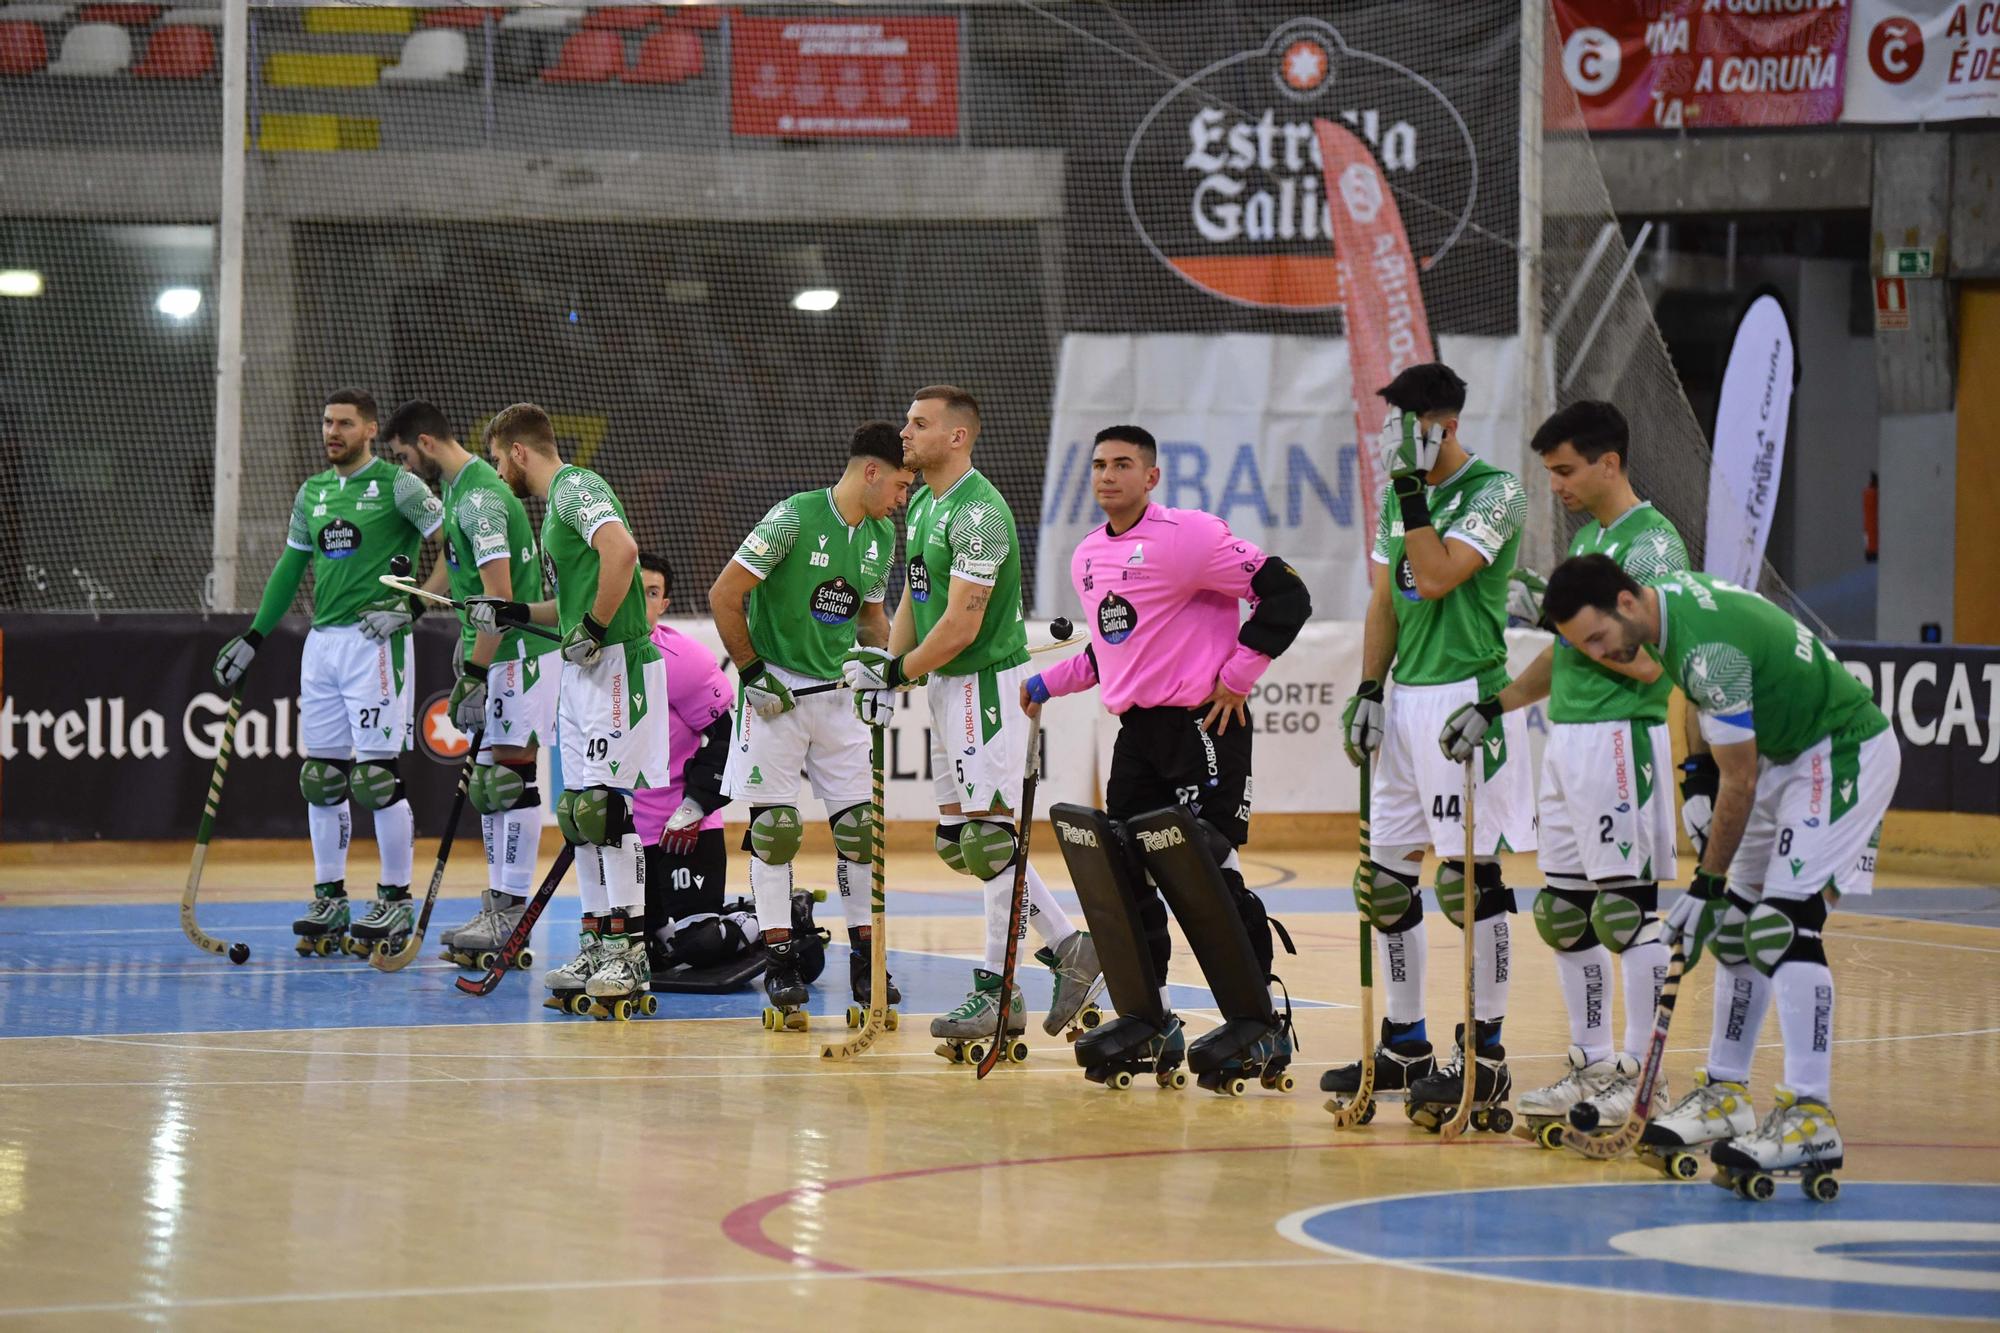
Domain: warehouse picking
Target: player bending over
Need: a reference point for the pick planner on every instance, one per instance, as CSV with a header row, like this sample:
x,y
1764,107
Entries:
x,y
611,709
507,683
356,709
1446,543
1607,811
1807,768
961,626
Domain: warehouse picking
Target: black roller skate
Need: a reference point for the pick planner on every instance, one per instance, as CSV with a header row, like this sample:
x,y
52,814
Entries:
x,y
388,924
861,983
1400,1060
1227,1058
1433,1100
784,988
1114,1053
322,929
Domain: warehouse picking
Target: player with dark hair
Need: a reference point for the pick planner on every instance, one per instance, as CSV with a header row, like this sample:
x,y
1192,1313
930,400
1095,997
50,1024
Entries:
x,y
809,582
1446,543
1606,807
1807,767
507,683
1161,590
356,707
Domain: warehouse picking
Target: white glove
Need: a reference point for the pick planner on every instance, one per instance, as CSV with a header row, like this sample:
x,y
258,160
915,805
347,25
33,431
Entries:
x,y
875,708
764,692
683,828
468,699
385,620
1406,446
584,644
868,669
1700,781
493,615
1362,722
1466,728
233,662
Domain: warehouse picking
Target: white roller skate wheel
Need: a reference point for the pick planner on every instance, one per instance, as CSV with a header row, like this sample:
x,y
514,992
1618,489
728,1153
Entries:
x,y
1683,1166
972,1052
649,1005
1090,1017
853,1016
1017,1051
1759,1187
1120,1080
1172,1078
1822,1188
1234,1087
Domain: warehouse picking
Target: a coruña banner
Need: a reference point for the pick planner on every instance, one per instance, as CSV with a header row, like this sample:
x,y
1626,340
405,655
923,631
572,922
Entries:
x,y
1921,60
1753,416
1254,428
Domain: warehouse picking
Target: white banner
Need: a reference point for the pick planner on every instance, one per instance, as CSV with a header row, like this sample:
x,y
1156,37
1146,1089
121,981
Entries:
x,y
1752,416
1252,427
1922,60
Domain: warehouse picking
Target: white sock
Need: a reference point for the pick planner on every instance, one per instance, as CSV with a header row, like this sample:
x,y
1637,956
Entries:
x,y
771,886
1585,976
1805,1018
625,875
999,894
332,826
856,886
1490,967
1645,972
1400,968
489,831
1741,995
590,881
396,840
520,843
1050,921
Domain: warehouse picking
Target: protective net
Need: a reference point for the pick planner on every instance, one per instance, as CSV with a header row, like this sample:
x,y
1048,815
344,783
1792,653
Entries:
x,y
710,242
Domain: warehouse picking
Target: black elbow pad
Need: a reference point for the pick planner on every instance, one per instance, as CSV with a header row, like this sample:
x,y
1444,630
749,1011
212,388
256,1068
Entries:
x,y
1283,607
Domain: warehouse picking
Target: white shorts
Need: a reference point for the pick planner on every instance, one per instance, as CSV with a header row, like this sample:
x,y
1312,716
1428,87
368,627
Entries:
x,y
613,721
356,696
521,696
1817,820
1607,804
821,739
979,739
1417,791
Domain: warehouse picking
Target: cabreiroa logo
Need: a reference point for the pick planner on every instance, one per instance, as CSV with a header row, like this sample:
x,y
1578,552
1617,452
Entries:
x,y
1223,178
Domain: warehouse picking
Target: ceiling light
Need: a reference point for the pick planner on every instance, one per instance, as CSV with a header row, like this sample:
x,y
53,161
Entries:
x,y
20,282
818,300
178,302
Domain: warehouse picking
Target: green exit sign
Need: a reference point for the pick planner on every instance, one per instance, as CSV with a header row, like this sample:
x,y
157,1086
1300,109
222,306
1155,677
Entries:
x,y
1906,263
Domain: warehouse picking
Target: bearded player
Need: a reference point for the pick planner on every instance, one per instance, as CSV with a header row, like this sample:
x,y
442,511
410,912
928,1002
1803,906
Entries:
x,y
356,708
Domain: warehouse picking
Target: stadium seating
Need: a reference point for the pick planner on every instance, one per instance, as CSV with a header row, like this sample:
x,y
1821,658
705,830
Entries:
x,y
93,51
591,56
623,18
458,18
430,55
23,48
125,16
179,52
541,19
34,13
200,18
706,17
671,55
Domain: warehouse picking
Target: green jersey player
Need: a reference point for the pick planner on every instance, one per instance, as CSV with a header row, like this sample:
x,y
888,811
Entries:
x,y
358,670
1807,766
1444,551
808,583
611,706
1606,809
507,683
961,626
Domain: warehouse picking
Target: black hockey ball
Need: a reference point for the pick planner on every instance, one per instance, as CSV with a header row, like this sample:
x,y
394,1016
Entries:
x,y
239,953
399,566
1061,628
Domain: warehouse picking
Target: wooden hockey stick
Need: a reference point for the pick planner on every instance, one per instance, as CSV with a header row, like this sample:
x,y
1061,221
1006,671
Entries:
x,y
1618,1142
1017,910
518,940
880,1016
237,952
1468,1052
411,588
1359,1109
381,959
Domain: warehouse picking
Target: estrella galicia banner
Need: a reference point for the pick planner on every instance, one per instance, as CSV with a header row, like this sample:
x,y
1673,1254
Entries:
x,y
1943,702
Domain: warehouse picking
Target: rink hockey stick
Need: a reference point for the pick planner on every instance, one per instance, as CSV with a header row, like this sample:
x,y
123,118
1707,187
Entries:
x,y
1451,1129
1618,1142
1017,910
878,952
1358,1109
237,952
526,927
400,959
410,587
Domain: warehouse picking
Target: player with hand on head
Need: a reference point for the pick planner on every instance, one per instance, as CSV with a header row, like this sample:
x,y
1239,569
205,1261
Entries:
x,y
1161,590
1445,546
611,708
808,583
1807,768
1607,811
507,682
356,708
961,626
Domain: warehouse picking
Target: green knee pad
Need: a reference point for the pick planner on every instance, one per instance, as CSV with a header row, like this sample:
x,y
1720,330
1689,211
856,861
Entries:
x,y
1380,897
946,842
988,847
372,785
775,834
598,816
1727,939
1785,930
566,818
1560,922
854,834
322,782
1618,918
1450,885
494,789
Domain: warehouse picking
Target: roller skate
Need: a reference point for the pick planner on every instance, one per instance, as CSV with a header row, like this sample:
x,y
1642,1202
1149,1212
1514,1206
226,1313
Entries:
x,y
479,942
1225,1059
861,981
1078,981
390,919
568,984
322,930
967,1031
1798,1138
1545,1111
784,988
619,988
1400,1060
1717,1109
1434,1099
1612,1105
1128,1046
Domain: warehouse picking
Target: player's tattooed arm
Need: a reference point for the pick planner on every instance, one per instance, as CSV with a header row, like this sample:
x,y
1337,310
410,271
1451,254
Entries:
x,y
964,612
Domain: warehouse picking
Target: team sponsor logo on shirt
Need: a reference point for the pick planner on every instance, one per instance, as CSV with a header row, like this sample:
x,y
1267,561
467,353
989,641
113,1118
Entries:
x,y
1406,580
919,580
1116,618
339,539
835,602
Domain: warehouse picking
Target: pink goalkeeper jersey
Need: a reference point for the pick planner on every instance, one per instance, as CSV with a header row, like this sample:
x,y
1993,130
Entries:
x,y
697,694
1162,599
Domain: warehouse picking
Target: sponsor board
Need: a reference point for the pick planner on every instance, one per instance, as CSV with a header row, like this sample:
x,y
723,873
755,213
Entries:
x,y
1911,61
1752,420
1943,703
842,76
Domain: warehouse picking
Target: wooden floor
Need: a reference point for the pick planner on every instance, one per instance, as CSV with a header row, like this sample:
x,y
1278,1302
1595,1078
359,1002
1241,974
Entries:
x,y
308,1144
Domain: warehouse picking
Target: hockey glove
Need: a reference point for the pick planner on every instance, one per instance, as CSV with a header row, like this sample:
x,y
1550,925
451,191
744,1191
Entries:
x,y
875,708
765,693
387,618
683,828
492,615
233,662
1465,730
1695,917
1700,781
1407,447
1361,722
1525,589
468,698
871,669
584,644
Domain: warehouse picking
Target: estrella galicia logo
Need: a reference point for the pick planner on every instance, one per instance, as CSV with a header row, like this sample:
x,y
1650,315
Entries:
x,y
1406,581
835,602
339,539
919,580
1116,619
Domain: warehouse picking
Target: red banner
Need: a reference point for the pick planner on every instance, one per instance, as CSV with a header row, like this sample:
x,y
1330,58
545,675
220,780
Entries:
x,y
1387,330
844,77
1704,64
